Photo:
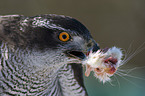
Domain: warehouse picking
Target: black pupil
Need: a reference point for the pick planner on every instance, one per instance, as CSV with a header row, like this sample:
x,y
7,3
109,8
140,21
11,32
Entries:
x,y
64,36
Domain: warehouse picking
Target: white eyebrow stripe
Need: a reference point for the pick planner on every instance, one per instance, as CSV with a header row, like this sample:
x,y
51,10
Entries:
x,y
39,22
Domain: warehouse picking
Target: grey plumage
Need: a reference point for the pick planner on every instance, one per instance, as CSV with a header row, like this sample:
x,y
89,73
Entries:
x,y
33,61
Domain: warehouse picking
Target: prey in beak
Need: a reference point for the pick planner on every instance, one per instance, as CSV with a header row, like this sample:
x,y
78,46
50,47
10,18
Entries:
x,y
103,63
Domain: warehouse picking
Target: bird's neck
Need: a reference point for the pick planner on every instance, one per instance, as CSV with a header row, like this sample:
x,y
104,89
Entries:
x,y
19,76
71,80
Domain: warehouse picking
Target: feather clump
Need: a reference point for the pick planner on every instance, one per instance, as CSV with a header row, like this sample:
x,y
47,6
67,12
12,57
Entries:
x,y
103,63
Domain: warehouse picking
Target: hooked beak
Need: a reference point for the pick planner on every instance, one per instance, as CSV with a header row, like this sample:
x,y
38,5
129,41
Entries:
x,y
81,54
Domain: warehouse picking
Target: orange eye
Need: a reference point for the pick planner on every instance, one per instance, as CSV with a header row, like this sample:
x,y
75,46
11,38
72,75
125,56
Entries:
x,y
64,36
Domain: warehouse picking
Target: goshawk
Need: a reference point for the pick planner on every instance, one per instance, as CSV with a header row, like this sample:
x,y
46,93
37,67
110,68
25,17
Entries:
x,y
41,55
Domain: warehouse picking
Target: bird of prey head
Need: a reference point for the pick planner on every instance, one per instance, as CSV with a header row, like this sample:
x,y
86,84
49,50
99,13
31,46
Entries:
x,y
42,55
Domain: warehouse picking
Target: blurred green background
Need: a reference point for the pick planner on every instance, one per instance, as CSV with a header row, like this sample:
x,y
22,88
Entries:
x,y
111,22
